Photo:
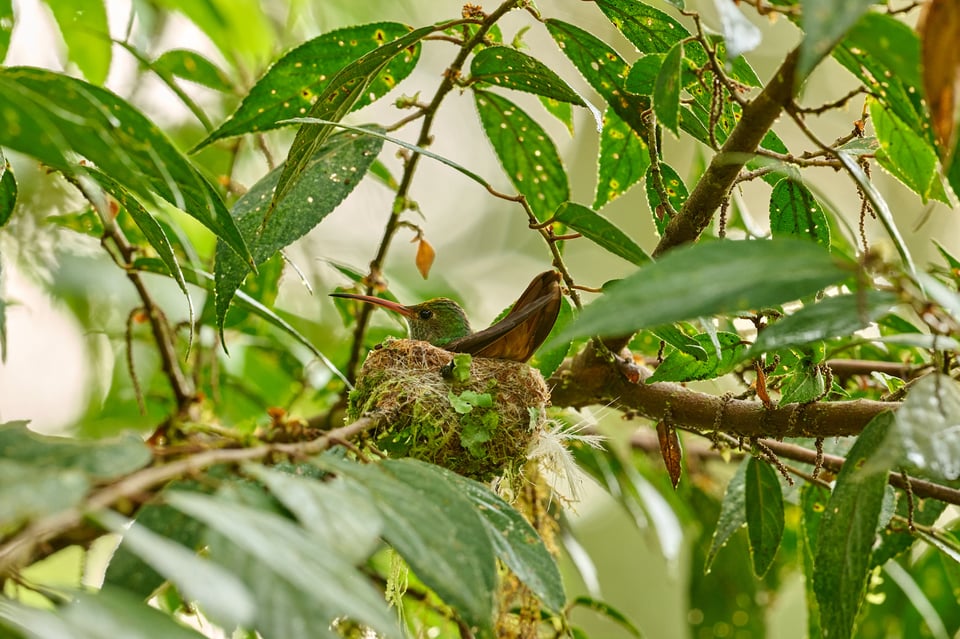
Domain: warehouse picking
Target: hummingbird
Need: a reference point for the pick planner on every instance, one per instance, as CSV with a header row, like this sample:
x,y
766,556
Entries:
x,y
516,337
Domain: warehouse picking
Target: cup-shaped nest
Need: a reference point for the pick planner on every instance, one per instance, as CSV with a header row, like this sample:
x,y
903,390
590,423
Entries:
x,y
475,416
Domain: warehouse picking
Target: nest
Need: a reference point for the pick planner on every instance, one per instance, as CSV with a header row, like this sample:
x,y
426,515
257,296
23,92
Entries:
x,y
475,416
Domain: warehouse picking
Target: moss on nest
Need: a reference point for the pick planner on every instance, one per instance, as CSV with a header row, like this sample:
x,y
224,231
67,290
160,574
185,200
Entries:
x,y
476,417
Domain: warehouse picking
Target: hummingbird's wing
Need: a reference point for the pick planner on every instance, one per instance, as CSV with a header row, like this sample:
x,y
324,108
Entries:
x,y
518,335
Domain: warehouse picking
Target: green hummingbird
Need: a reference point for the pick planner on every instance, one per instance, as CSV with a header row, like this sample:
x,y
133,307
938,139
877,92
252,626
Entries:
x,y
516,337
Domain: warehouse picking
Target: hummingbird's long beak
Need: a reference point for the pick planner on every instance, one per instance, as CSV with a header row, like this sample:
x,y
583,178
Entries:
x,y
378,301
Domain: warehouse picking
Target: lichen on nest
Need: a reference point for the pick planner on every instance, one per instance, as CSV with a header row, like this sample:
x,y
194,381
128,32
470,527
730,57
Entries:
x,y
475,416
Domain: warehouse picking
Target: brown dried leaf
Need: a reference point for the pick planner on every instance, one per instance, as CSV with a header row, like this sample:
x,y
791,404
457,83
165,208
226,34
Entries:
x,y
425,257
670,451
939,34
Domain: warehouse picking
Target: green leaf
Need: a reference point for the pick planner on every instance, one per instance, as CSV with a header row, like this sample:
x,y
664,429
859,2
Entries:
x,y
649,29
903,153
548,360
515,541
601,231
603,69
298,82
340,515
222,596
436,529
680,366
643,74
151,229
332,174
101,460
609,612
274,548
708,279
28,491
50,116
733,513
677,338
824,24
739,33
7,21
927,427
795,211
883,53
239,28
804,383
83,25
506,67
622,161
848,532
666,90
526,152
115,613
192,66
813,503
344,91
676,194
563,111
764,507
836,316
8,191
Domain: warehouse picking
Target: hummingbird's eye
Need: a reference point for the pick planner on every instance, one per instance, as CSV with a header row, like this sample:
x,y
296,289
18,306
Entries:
x,y
425,314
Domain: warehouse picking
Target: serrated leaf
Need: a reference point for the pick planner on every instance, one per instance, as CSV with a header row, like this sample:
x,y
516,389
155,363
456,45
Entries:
x,y
666,89
601,231
101,460
192,66
436,530
526,152
733,513
83,26
307,75
803,384
764,508
515,541
222,596
643,74
345,90
676,194
8,191
563,111
739,33
824,24
848,532
649,29
50,116
903,153
511,69
333,173
928,427
622,161
835,316
795,211
680,366
603,69
708,279
278,549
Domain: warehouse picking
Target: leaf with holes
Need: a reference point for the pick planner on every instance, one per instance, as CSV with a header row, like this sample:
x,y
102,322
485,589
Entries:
x,y
795,211
511,69
622,161
676,192
903,153
333,173
764,508
601,231
344,91
293,85
55,118
603,69
649,29
666,89
526,153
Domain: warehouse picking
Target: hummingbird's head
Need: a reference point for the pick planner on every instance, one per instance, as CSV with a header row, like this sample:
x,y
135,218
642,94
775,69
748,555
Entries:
x,y
437,321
